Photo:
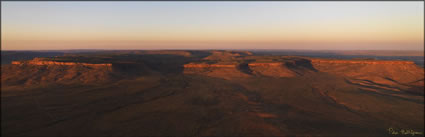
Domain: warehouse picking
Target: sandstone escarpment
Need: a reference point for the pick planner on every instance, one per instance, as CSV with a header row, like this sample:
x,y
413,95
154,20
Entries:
x,y
330,61
401,71
41,61
270,69
389,75
41,71
381,74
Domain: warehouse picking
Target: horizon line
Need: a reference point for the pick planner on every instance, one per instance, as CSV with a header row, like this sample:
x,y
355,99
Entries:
x,y
215,49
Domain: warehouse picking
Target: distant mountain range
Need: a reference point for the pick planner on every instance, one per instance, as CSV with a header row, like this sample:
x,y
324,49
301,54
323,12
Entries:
x,y
416,56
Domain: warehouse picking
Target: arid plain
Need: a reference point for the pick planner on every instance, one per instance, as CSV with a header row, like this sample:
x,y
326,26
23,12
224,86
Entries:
x,y
209,93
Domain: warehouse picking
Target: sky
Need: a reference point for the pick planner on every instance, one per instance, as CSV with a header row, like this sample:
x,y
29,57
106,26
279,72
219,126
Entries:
x,y
318,25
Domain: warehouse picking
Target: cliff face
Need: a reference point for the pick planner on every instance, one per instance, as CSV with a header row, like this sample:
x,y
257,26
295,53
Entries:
x,y
39,71
258,95
242,70
369,74
329,61
400,71
296,67
40,61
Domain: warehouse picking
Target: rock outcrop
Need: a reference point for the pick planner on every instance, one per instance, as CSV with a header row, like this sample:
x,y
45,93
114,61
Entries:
x,y
330,61
383,74
42,71
41,61
375,74
271,69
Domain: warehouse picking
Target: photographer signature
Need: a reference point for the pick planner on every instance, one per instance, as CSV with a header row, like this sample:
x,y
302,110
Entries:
x,y
393,131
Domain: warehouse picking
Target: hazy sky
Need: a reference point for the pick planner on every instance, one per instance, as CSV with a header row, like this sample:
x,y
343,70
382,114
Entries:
x,y
212,25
